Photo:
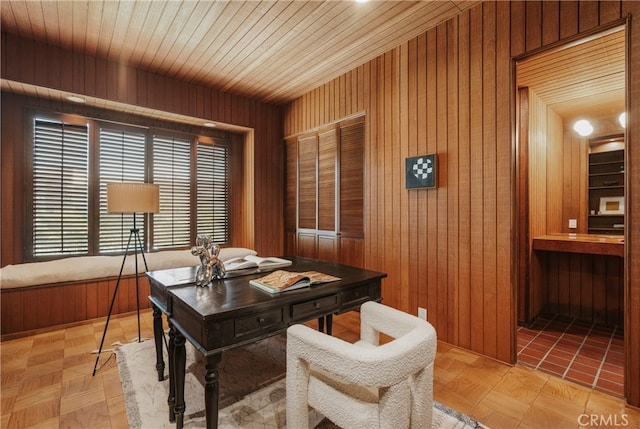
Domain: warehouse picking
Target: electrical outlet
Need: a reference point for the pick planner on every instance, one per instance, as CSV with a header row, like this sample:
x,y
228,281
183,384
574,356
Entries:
x,y
422,313
573,223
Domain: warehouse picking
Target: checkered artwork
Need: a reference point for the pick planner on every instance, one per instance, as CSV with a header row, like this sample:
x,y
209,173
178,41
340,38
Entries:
x,y
421,171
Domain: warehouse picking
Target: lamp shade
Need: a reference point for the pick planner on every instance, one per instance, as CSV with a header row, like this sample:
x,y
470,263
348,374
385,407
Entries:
x,y
130,197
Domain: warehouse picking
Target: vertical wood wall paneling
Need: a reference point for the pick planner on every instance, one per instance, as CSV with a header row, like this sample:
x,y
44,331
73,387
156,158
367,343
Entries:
x,y
411,263
406,293
583,286
465,177
632,233
370,150
554,182
522,206
389,74
477,198
431,200
420,229
441,196
550,22
489,179
538,191
559,204
533,25
395,176
452,171
517,27
68,303
505,291
10,247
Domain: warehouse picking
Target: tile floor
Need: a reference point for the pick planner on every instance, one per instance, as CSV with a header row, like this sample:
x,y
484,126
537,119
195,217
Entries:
x,y
588,354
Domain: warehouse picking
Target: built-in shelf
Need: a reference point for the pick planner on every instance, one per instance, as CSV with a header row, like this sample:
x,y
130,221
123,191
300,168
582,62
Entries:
x,y
606,180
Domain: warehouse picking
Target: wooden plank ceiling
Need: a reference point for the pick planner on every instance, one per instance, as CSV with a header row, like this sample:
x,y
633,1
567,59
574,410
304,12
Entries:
x,y
585,80
272,51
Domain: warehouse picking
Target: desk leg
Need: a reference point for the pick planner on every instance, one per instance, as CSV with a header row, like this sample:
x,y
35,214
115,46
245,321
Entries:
x,y
211,390
157,336
321,320
171,400
179,363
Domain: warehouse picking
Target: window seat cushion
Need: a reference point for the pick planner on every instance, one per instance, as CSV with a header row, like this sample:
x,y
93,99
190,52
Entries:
x,y
97,267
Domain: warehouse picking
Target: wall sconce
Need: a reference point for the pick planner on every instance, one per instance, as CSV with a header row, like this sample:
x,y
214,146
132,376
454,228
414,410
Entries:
x,y
583,127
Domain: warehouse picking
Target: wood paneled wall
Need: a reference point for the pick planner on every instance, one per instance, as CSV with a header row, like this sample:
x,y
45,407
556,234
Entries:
x,y
27,310
43,65
582,286
449,91
574,182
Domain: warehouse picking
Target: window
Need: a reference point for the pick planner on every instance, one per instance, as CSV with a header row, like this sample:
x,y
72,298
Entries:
x,y
122,156
72,166
60,189
172,171
213,191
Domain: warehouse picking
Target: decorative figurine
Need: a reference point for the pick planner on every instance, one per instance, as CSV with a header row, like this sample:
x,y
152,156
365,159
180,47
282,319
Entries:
x,y
210,266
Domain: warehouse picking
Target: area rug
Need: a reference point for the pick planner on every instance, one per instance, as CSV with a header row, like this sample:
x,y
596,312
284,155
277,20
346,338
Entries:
x,y
252,390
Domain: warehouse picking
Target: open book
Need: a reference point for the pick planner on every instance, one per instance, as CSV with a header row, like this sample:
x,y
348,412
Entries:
x,y
252,261
280,280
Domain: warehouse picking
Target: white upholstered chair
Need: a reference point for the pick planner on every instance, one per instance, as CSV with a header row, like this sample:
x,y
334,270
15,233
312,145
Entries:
x,y
365,384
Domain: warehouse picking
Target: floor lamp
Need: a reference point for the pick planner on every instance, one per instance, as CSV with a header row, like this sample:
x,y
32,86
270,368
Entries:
x,y
129,197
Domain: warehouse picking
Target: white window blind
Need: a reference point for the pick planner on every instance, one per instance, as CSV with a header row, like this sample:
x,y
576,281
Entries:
x,y
172,171
122,159
212,191
60,188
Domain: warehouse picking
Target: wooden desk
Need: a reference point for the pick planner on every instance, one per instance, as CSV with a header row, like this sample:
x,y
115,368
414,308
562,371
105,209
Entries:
x,y
593,244
578,276
230,313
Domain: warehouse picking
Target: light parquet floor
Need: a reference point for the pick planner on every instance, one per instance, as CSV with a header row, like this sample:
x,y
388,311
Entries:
x,y
46,382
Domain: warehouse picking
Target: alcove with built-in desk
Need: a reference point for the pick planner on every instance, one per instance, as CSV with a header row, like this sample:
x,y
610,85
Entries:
x,y
577,271
580,276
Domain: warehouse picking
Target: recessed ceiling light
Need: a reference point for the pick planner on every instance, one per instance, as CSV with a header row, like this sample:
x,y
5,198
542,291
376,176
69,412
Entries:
x,y
583,127
75,99
361,1
209,124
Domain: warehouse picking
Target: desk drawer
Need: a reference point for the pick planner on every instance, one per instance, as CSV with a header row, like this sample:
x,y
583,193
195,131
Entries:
x,y
355,296
256,324
318,306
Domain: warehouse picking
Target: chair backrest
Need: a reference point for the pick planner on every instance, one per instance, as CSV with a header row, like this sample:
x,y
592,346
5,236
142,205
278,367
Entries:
x,y
401,370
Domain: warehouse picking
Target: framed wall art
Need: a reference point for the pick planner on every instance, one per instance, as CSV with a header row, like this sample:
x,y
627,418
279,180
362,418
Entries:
x,y
611,205
421,171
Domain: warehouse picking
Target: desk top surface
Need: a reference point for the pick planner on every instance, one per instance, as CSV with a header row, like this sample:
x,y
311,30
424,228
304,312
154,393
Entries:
x,y
235,293
595,244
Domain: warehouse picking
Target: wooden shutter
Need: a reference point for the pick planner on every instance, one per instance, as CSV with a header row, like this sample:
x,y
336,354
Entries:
x,y
352,179
307,174
327,170
291,202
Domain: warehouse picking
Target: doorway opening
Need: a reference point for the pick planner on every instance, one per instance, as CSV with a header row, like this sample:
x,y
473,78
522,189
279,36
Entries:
x,y
570,307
